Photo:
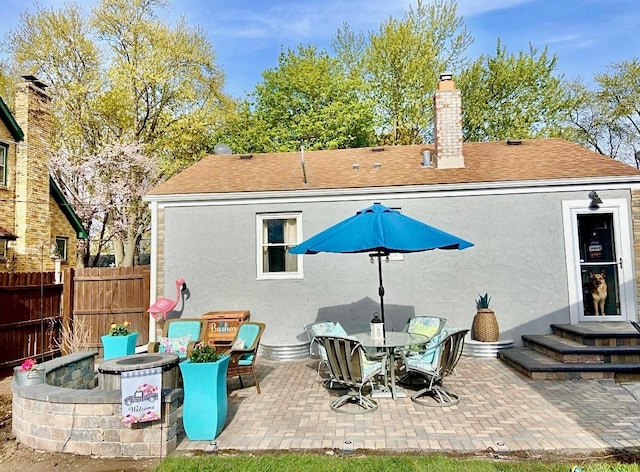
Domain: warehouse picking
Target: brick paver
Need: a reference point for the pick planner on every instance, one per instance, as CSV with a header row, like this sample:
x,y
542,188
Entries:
x,y
500,410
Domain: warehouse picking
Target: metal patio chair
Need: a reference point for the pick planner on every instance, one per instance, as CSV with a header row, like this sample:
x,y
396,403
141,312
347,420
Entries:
x,y
432,366
322,328
350,367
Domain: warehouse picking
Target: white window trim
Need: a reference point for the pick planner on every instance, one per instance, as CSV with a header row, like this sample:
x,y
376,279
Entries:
x,y
395,256
4,173
260,218
63,257
622,215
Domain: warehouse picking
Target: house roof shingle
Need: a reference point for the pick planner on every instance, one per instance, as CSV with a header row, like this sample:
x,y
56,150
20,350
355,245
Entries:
x,y
495,161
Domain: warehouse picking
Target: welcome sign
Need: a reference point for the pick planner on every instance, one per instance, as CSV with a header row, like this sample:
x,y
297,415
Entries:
x,y
140,390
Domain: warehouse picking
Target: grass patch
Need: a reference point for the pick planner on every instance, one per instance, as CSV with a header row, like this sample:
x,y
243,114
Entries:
x,y
309,462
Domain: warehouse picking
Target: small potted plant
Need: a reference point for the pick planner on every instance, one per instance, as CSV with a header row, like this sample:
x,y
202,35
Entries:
x,y
485,325
119,341
29,373
204,378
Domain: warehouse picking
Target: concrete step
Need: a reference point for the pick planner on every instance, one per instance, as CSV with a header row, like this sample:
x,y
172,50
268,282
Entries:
x,y
569,351
605,333
539,366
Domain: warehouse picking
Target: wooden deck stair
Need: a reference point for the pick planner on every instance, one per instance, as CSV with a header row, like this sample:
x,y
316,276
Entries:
x,y
607,350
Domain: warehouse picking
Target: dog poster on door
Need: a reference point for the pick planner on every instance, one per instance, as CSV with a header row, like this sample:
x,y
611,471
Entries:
x,y
140,390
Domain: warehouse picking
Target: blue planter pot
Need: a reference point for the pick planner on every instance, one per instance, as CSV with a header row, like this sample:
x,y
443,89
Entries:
x,y
204,410
116,346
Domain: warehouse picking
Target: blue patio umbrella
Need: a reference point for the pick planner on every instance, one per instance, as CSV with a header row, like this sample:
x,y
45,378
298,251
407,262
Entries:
x,y
380,231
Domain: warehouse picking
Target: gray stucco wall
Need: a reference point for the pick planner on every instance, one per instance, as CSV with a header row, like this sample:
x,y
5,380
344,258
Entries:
x,y
518,258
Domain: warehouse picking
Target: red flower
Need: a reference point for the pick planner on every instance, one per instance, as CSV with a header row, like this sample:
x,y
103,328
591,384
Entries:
x,y
28,364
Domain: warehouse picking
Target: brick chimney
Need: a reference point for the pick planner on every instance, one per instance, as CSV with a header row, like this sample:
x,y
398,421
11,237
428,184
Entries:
x,y
33,115
447,122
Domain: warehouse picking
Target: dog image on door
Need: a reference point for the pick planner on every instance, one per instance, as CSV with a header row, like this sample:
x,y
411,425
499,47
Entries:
x,y
598,291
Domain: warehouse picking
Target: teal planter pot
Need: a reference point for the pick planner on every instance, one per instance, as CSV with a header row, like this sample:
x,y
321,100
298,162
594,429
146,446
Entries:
x,y
204,410
116,346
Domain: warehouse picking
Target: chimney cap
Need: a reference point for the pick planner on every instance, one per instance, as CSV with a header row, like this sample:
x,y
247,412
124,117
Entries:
x,y
33,79
446,76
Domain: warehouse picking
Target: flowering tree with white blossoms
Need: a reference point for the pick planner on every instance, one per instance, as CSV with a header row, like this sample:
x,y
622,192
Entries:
x,y
106,190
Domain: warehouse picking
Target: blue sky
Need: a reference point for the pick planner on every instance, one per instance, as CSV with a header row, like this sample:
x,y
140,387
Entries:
x,y
247,35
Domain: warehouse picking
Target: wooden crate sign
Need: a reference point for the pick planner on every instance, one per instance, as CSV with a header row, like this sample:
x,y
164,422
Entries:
x,y
222,326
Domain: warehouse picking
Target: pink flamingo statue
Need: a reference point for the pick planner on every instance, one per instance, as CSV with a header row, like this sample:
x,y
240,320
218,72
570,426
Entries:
x,y
164,305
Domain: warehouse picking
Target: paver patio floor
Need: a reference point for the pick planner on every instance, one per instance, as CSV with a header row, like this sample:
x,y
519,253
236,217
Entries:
x,y
500,410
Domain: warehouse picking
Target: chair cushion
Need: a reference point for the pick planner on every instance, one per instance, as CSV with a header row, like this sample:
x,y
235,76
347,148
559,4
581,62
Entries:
x,y
175,345
425,326
425,360
181,327
325,327
239,343
428,330
246,359
369,367
249,332
338,330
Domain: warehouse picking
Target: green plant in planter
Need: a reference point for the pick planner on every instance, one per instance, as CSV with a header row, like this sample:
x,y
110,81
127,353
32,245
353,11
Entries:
x,y
121,329
483,301
204,353
204,376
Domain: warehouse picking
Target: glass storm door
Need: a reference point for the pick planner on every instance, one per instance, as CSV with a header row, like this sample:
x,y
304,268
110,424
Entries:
x,y
598,265
599,262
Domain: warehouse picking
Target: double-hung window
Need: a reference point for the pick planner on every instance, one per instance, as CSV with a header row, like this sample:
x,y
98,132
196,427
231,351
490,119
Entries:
x,y
277,232
4,151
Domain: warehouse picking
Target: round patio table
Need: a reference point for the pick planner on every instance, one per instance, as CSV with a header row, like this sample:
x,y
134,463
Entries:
x,y
392,340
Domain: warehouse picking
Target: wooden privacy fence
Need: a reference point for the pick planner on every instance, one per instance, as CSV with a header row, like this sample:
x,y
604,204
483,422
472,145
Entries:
x,y
33,308
30,316
105,295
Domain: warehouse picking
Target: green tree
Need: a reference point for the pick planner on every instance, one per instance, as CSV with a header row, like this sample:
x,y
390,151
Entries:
x,y
512,96
619,97
590,121
307,100
402,63
123,77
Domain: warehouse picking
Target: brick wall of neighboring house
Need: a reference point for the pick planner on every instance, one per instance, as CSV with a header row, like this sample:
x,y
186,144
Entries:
x,y
29,209
60,228
7,208
33,222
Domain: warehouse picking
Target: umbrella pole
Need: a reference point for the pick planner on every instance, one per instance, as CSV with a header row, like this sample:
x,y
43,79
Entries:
x,y
381,291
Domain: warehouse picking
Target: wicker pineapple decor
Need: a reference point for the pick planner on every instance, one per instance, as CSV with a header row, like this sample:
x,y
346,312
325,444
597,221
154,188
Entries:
x,y
485,325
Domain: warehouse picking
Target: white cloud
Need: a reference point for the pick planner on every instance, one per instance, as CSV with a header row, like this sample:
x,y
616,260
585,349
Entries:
x,y
570,40
477,7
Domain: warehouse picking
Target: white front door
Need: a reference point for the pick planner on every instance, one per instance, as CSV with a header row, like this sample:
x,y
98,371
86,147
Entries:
x,y
599,260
